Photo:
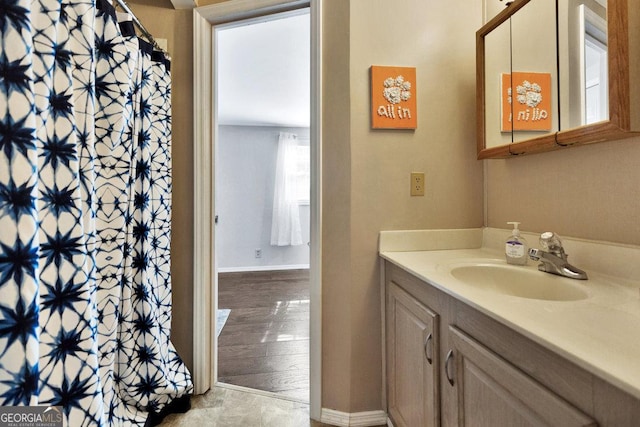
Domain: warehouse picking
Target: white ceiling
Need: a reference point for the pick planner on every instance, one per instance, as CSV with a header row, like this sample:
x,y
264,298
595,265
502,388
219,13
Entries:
x,y
263,72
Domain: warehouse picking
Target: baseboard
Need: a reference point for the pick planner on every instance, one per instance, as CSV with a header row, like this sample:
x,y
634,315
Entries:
x,y
263,268
358,419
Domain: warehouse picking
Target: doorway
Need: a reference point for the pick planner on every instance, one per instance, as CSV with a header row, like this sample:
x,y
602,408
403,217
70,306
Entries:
x,y
262,199
206,20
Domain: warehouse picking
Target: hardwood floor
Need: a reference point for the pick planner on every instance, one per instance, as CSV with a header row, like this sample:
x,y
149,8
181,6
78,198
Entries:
x,y
265,343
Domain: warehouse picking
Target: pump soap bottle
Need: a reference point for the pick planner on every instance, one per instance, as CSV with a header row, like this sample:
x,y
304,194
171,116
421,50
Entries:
x,y
516,247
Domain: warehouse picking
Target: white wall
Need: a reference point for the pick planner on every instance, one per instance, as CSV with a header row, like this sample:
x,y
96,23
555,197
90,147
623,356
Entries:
x,y
245,175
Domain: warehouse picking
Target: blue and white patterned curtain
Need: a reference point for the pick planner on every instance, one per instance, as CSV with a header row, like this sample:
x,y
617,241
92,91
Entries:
x,y
85,196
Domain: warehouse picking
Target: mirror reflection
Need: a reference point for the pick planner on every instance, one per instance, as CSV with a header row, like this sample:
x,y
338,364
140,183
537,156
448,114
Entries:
x,y
497,42
583,62
534,70
545,70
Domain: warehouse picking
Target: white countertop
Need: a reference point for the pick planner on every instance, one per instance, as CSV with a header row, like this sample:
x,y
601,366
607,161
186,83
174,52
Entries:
x,y
600,333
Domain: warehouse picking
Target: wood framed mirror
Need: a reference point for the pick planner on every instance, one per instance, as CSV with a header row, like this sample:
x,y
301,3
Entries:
x,y
556,40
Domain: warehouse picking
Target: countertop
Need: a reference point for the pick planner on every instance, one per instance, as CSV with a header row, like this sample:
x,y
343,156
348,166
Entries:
x,y
600,333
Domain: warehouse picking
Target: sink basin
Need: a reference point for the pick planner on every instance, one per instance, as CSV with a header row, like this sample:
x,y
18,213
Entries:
x,y
520,282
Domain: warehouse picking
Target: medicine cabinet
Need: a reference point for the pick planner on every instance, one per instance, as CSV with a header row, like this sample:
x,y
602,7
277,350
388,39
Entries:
x,y
553,74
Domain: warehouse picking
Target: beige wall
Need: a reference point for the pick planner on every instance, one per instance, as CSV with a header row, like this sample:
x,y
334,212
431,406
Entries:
x,y
591,192
177,27
208,2
366,172
336,215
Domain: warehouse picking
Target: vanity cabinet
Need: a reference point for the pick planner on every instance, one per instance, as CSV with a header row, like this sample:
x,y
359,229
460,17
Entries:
x,y
491,392
412,360
449,364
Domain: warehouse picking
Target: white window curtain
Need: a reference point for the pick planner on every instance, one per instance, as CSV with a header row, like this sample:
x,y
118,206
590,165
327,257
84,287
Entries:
x,y
285,225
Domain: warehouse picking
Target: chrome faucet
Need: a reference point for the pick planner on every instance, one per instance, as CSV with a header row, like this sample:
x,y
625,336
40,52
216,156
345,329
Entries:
x,y
553,259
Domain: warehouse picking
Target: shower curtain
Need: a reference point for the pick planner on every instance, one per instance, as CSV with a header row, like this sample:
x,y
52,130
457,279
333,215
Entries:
x,y
85,197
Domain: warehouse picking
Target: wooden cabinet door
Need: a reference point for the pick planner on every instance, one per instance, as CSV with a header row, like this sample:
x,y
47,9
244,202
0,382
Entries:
x,y
491,392
412,361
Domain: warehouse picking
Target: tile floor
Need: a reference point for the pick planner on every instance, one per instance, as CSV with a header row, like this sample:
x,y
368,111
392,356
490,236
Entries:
x,y
225,407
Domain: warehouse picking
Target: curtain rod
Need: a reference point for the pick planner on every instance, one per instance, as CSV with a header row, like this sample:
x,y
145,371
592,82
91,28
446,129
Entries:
x,y
141,27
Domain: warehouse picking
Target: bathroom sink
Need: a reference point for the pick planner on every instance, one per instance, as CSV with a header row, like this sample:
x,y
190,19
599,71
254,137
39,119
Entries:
x,y
520,282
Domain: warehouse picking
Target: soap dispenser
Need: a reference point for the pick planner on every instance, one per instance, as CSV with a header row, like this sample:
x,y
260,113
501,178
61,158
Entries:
x,y
516,247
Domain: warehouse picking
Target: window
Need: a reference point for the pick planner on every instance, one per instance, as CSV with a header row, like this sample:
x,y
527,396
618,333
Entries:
x,y
303,174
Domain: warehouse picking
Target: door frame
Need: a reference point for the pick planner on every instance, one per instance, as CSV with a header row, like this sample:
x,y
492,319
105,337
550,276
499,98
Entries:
x,y
205,19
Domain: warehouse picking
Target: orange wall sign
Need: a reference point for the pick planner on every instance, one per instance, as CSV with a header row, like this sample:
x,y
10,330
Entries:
x,y
393,98
526,102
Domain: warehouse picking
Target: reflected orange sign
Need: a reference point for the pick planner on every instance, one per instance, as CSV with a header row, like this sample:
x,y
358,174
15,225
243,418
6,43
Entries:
x,y
526,101
393,98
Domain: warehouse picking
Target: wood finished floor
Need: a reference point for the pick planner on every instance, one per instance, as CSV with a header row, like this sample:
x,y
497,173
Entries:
x,y
265,342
